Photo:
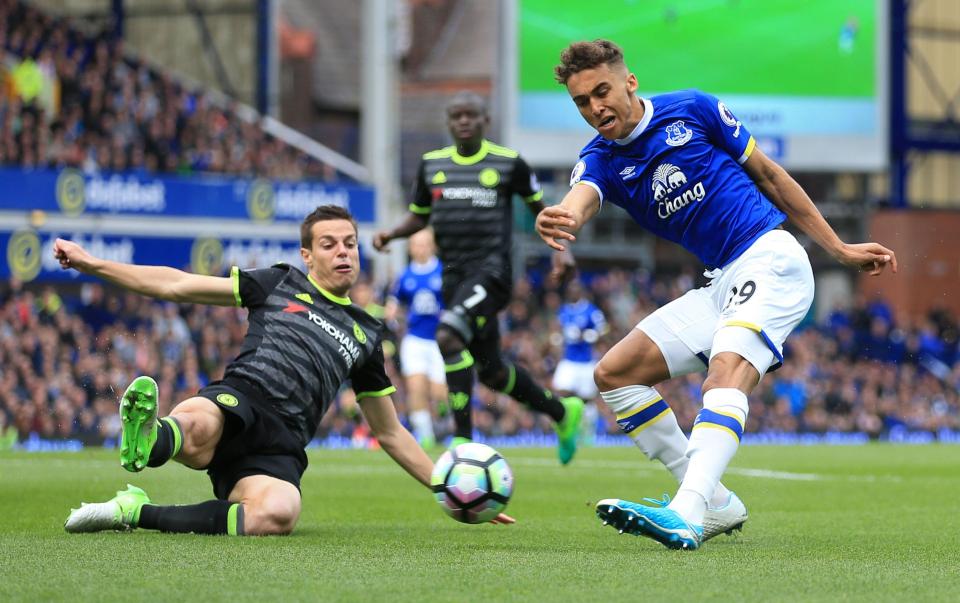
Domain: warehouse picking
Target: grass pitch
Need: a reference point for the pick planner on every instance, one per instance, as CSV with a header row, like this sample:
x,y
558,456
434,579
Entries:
x,y
867,523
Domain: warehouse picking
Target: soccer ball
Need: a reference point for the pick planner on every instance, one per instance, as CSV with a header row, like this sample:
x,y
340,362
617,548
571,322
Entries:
x,y
472,483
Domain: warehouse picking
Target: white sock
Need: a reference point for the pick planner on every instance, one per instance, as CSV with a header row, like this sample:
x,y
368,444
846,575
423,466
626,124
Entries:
x,y
660,438
721,496
715,439
422,424
645,417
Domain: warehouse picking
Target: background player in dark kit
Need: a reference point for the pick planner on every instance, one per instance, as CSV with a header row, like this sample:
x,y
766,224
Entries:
x,y
465,192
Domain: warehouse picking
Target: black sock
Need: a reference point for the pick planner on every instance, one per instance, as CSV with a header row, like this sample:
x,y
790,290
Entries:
x,y
523,388
459,369
210,517
169,440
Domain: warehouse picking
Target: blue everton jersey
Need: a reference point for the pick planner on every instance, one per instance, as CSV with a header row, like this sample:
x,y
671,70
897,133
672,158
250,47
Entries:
x,y
419,290
582,323
679,175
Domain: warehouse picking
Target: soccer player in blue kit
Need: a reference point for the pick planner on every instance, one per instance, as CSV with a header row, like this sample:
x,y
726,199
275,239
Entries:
x,y
581,325
418,289
685,168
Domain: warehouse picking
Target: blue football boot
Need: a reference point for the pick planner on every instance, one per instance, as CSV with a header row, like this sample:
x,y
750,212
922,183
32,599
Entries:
x,y
664,525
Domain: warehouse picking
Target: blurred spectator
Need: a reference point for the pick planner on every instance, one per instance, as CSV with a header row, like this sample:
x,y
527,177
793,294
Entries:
x,y
65,359
115,113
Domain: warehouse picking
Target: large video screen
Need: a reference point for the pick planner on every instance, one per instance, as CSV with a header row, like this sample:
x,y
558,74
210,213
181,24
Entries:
x,y
806,76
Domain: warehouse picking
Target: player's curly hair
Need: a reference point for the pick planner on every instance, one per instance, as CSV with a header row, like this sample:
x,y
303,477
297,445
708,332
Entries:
x,y
586,55
322,213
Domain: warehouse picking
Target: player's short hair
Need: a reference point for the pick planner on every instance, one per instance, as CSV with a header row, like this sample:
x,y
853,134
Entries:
x,y
467,97
579,56
321,214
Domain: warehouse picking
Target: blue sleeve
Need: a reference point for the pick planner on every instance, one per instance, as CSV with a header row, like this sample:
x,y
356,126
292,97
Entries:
x,y
723,128
590,171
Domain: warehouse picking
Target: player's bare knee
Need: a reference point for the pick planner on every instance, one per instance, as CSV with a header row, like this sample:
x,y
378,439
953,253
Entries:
x,y
193,455
268,526
271,515
200,434
201,424
607,377
197,449
600,377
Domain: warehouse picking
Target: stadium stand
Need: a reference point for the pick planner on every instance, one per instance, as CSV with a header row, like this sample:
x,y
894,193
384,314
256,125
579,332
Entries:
x,y
76,100
64,361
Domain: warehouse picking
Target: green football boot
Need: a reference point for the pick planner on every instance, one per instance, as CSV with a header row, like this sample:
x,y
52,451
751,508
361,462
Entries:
x,y
122,512
138,416
456,441
569,428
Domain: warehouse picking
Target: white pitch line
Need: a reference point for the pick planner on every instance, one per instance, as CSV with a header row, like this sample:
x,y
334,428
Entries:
x,y
799,477
583,464
648,467
744,471
809,477
333,467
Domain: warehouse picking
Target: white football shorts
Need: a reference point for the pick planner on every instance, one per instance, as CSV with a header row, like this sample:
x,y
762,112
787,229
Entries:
x,y
420,356
765,292
575,377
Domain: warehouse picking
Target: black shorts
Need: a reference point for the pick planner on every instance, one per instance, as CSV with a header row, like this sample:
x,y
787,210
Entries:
x,y
255,440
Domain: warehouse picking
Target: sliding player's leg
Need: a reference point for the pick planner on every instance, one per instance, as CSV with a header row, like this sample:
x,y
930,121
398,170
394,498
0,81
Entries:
x,y
222,430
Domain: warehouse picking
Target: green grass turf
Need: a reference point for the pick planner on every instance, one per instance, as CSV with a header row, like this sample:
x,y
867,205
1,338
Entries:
x,y
785,47
867,523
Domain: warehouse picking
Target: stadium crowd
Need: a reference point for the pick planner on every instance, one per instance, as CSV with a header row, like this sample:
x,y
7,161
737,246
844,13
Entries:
x,y
65,360
70,100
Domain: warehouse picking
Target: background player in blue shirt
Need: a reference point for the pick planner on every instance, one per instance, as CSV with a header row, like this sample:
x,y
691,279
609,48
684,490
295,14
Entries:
x,y
418,289
581,325
685,168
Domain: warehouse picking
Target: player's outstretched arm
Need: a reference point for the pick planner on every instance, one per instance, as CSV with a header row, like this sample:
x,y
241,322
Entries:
x,y
411,224
160,282
395,439
786,194
558,223
399,443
